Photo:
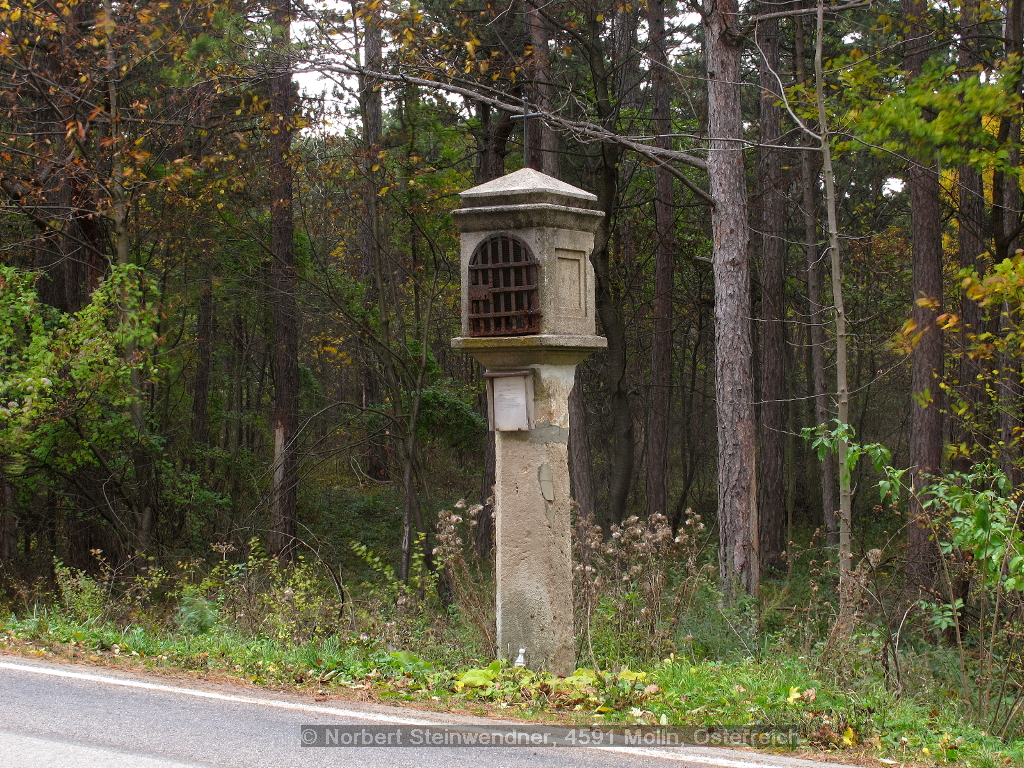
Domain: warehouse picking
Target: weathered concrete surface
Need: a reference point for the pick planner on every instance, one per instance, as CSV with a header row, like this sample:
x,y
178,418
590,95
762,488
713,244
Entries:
x,y
554,220
532,503
533,541
527,186
508,352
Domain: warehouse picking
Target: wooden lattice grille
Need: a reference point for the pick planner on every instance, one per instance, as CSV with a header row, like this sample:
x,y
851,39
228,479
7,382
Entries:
x,y
503,299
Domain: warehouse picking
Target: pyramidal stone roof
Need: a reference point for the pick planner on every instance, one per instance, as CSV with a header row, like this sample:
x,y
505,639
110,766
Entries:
x,y
526,186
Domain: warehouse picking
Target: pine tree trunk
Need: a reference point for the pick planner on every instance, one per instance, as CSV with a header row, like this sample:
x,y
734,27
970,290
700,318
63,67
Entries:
x,y
926,363
543,140
495,128
492,143
737,474
771,476
609,309
971,244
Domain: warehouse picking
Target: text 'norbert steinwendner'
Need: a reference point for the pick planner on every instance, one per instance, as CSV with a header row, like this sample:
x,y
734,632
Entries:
x,y
467,735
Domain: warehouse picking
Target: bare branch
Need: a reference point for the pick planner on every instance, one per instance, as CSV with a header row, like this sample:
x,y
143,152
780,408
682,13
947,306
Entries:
x,y
805,12
584,130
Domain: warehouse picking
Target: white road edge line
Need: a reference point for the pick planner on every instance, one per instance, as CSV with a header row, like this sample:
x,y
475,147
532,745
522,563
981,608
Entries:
x,y
357,714
698,758
372,716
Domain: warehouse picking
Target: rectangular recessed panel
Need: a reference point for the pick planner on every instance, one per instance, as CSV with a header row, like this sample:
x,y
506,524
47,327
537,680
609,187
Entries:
x,y
570,282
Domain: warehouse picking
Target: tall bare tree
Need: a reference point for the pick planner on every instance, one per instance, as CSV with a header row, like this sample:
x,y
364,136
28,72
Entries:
x,y
283,106
737,473
809,181
604,68
772,518
926,362
660,400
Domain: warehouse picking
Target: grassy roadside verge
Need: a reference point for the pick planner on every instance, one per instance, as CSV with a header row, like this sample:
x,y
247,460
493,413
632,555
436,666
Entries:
x,y
781,694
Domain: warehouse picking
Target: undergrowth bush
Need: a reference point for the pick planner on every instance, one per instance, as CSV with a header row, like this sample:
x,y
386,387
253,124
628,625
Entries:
x,y
658,642
82,596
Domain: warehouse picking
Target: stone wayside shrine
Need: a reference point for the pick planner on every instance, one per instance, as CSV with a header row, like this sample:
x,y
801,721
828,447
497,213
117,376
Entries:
x,y
528,317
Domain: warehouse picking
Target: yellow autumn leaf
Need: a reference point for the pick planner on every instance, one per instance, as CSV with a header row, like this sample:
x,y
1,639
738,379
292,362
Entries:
x,y
849,737
630,676
794,694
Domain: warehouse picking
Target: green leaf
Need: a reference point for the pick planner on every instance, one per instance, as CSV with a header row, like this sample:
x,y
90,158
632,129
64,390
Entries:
x,y
631,677
982,520
884,486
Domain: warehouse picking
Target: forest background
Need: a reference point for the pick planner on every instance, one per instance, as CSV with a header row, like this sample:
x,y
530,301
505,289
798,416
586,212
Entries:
x,y
229,407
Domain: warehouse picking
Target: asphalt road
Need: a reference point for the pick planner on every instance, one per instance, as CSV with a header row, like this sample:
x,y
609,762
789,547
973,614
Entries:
x,y
74,716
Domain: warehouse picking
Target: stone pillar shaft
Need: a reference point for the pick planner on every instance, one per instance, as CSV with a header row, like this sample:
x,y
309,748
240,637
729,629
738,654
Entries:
x,y
526,272
533,533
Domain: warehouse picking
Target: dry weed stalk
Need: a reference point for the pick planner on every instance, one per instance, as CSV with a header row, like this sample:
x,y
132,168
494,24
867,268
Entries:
x,y
643,570
468,575
852,602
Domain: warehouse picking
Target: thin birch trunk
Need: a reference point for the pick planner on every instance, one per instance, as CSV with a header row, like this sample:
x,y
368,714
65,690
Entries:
x,y
828,472
842,366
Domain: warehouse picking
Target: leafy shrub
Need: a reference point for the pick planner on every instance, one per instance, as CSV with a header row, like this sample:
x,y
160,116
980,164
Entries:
x,y
81,595
196,614
293,603
977,519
